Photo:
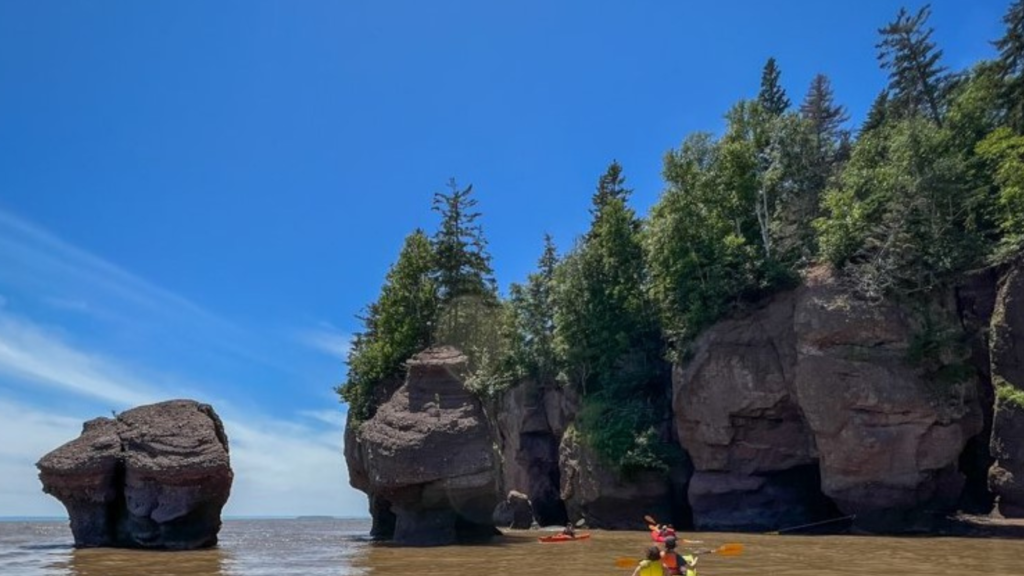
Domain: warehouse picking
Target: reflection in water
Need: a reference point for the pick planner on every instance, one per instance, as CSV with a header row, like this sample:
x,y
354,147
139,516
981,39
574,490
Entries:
x,y
340,548
106,562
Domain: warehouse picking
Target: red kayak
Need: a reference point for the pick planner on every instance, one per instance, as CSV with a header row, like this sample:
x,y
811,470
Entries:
x,y
563,538
659,538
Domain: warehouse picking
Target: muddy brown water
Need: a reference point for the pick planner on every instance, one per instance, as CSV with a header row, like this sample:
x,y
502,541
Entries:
x,y
340,547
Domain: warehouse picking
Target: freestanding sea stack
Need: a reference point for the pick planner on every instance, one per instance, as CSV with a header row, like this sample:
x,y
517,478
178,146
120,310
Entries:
x,y
429,456
156,476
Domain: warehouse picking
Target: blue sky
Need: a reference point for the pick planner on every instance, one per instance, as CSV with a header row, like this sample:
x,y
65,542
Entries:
x,y
196,198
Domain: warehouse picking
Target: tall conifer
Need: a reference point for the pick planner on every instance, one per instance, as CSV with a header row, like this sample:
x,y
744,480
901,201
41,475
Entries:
x,y
1011,64
772,96
917,82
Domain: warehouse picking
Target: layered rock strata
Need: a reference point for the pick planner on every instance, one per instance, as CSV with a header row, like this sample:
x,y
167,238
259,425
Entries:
x,y
429,456
156,476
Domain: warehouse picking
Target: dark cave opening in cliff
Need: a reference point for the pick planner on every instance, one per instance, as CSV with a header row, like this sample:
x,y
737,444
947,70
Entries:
x,y
544,477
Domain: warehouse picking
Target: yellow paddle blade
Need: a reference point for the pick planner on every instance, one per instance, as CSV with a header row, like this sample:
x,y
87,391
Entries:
x,y
732,549
626,562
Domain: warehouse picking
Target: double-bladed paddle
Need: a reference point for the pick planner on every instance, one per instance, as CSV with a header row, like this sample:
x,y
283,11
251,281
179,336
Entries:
x,y
731,549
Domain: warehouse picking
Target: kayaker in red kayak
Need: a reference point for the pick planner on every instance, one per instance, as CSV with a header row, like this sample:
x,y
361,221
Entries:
x,y
569,530
662,531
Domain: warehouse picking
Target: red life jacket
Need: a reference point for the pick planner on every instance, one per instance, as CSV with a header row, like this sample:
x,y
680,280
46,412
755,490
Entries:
x,y
671,561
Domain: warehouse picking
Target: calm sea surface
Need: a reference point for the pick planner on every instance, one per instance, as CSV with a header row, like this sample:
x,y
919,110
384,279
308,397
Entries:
x,y
340,547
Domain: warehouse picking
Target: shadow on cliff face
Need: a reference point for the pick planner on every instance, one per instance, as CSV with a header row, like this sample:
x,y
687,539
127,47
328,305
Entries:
x,y
975,301
540,457
772,501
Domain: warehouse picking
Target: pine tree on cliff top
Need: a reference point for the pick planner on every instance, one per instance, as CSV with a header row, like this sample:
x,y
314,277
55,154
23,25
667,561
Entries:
x,y
462,264
396,326
469,315
877,113
772,96
607,335
603,317
1011,64
611,186
917,82
534,309
825,116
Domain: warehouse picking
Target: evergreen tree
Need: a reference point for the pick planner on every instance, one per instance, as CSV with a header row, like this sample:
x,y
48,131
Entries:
x,y
471,317
772,96
826,118
828,149
691,243
917,82
877,113
463,266
607,333
396,326
611,186
534,309
602,306
1011,63
899,219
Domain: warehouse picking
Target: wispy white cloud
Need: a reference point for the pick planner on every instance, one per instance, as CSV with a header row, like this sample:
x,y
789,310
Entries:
x,y
39,256
327,339
30,353
71,305
282,468
335,418
285,463
65,277
28,434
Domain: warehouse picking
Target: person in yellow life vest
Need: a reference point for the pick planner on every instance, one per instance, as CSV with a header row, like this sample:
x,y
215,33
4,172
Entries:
x,y
652,565
674,562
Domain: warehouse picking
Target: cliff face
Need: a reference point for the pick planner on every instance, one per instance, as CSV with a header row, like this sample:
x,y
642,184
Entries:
x,y
530,420
1006,477
806,409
